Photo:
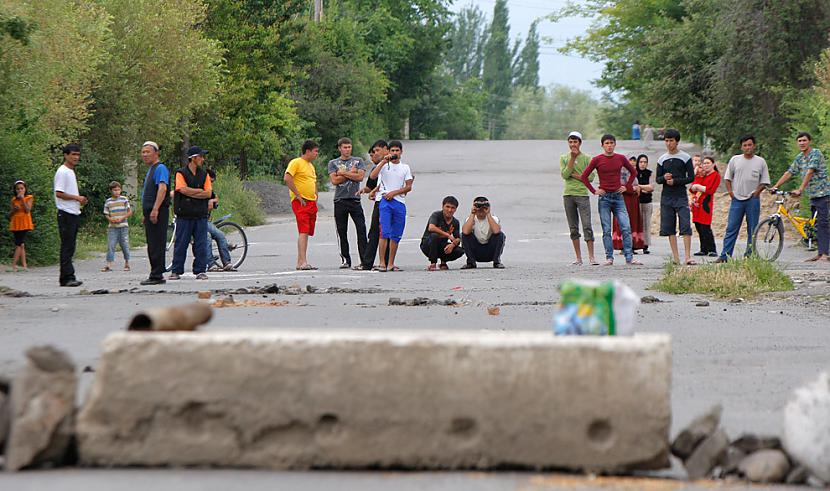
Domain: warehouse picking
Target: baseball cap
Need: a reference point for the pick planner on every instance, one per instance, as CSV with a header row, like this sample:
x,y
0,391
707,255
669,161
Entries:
x,y
149,143
194,151
575,134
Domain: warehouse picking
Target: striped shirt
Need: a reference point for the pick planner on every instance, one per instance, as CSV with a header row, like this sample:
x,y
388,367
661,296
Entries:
x,y
117,208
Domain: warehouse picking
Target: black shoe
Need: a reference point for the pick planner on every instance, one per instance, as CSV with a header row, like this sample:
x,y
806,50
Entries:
x,y
72,283
498,266
699,253
713,254
345,266
720,260
154,281
646,251
469,266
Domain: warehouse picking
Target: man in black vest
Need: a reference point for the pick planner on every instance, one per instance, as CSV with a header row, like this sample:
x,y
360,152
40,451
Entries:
x,y
156,207
193,190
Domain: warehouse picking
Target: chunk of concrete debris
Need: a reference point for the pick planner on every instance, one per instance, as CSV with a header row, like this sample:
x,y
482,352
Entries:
x,y
750,443
765,466
296,400
5,412
203,295
42,410
698,430
650,299
702,303
798,475
707,455
180,318
807,426
493,310
731,459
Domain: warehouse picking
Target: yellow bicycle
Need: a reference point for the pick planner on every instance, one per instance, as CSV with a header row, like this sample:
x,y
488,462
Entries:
x,y
768,239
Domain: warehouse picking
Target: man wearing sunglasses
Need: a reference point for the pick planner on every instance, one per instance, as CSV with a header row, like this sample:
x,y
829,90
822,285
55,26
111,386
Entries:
x,y
481,236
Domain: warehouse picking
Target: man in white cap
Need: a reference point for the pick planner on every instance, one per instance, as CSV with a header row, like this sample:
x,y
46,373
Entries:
x,y
155,203
576,199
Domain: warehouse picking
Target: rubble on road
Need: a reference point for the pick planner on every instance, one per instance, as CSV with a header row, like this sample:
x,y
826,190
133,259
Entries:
x,y
42,410
422,301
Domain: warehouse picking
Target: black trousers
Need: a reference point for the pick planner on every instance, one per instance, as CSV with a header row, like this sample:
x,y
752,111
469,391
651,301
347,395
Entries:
x,y
156,235
707,238
373,239
433,248
68,229
343,209
483,253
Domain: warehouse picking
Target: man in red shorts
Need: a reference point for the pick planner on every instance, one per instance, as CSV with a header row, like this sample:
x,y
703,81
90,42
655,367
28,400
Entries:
x,y
301,180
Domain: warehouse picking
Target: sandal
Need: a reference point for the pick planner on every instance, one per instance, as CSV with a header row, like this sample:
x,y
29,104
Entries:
x,y
381,269
126,268
634,262
306,267
691,262
609,262
432,267
444,266
106,269
594,262
395,269
576,263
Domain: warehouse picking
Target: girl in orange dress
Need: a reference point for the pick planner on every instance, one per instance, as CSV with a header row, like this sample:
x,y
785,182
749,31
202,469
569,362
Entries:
x,y
20,222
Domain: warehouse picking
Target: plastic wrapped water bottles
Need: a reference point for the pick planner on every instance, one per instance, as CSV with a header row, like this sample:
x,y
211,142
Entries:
x,y
593,308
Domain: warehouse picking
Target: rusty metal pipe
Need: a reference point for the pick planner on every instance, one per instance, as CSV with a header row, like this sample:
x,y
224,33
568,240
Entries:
x,y
180,318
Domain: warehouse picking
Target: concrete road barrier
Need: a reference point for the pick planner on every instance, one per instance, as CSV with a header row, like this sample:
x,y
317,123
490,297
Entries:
x,y
400,399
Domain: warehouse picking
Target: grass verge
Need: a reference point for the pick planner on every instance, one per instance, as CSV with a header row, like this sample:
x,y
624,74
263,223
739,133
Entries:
x,y
744,278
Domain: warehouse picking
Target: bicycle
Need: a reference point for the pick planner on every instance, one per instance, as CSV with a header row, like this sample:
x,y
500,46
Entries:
x,y
768,239
234,234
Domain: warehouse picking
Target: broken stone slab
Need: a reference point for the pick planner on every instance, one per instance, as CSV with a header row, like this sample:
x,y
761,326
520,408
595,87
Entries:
x,y
731,459
807,426
5,409
750,443
399,399
765,466
706,455
798,475
42,410
698,430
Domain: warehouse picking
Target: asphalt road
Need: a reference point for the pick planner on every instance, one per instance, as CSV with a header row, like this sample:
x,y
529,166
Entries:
x,y
747,356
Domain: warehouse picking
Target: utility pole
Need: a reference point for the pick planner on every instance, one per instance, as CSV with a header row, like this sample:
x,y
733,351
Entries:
x,y
318,10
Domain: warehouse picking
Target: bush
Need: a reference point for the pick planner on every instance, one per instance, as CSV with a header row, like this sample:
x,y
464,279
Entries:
x,y
243,204
745,278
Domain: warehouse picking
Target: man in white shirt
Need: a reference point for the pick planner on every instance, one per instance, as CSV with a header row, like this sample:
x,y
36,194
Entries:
x,y
68,202
481,236
394,182
746,177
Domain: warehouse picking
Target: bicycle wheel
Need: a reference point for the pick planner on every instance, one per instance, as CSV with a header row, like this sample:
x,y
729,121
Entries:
x,y
171,239
237,243
768,240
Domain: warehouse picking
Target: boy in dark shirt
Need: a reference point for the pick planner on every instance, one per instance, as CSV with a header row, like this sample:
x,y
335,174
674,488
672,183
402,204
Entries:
x,y
674,171
442,236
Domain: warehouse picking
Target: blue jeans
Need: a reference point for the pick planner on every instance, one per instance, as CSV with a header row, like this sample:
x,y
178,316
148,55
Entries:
x,y
221,243
749,208
118,235
187,228
613,203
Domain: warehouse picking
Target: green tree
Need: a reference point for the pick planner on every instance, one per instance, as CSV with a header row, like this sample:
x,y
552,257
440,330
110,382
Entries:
x,y
467,36
497,73
526,73
252,122
539,114
450,110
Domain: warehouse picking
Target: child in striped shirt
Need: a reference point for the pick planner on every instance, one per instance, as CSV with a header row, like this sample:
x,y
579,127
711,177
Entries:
x,y
117,210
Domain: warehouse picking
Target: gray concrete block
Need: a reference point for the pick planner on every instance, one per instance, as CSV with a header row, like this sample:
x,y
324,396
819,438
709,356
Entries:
x,y
344,399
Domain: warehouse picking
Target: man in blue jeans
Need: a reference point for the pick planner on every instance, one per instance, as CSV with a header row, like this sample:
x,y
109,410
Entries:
x,y
609,170
746,177
192,193
811,166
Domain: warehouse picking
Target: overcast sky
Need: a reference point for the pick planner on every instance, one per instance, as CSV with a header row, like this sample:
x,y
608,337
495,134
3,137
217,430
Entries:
x,y
553,66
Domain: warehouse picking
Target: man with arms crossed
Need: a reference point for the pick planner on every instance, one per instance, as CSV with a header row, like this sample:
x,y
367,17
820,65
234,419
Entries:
x,y
68,202
608,166
192,193
301,180
675,169
746,177
155,203
810,164
575,198
346,173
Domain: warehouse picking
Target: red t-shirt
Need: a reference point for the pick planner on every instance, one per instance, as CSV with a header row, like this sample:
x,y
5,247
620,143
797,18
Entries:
x,y
704,202
608,169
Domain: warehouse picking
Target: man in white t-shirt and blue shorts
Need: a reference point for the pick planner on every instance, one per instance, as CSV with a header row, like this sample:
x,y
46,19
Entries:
x,y
394,182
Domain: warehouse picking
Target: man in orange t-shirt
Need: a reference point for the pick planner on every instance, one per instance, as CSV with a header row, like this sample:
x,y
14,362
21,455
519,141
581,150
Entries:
x,y
192,193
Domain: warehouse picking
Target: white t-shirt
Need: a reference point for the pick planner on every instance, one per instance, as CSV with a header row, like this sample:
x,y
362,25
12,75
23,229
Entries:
x,y
481,229
393,177
746,175
66,182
